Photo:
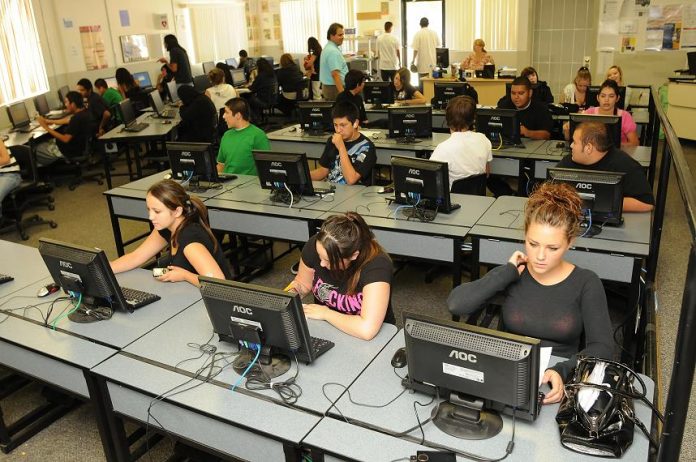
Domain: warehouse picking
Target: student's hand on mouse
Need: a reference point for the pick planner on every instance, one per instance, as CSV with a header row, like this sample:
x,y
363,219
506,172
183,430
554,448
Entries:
x,y
42,122
315,311
173,274
519,260
554,379
337,140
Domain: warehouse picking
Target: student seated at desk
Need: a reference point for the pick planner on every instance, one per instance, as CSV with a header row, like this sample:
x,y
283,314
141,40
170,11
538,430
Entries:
x,y
406,94
466,152
180,221
355,82
242,137
541,91
535,120
547,297
10,177
592,149
576,91
198,116
350,276
348,156
95,104
71,142
130,89
111,96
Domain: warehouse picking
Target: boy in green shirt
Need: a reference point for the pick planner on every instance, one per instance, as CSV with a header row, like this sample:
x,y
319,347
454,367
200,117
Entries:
x,y
239,140
111,96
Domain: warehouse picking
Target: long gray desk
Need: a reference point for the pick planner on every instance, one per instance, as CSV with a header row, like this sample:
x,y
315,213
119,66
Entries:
x,y
253,425
439,240
537,440
31,269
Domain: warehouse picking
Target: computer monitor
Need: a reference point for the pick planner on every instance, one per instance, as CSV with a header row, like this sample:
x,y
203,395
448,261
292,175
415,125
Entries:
x,y
143,79
267,58
593,93
18,114
445,91
611,122
193,163
501,126
157,105
86,271
232,62
127,112
173,92
691,60
238,77
315,117
41,104
378,93
62,94
442,57
423,184
207,66
285,174
249,315
409,123
111,82
479,372
601,194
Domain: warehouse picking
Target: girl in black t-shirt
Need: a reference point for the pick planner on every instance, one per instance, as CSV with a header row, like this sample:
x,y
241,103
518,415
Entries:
x,y
349,275
180,221
405,92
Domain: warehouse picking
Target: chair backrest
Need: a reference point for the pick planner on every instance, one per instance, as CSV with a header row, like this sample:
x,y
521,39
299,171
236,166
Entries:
x,y
26,159
201,83
474,185
303,92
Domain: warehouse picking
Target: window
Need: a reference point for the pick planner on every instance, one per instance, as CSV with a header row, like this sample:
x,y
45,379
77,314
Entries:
x,y
218,30
301,19
494,21
21,61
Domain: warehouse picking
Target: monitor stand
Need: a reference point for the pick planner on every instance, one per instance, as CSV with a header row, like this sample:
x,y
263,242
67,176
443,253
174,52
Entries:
x,y
91,310
592,232
271,364
462,418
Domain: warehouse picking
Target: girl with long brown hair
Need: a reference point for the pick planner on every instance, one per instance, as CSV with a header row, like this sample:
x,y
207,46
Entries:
x,y
180,222
349,274
546,296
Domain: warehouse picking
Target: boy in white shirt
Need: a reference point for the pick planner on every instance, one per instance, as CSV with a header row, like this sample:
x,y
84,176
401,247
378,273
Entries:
x,y
466,152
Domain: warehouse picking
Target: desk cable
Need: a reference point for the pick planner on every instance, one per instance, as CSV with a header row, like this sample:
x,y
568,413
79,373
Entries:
x,y
44,317
288,390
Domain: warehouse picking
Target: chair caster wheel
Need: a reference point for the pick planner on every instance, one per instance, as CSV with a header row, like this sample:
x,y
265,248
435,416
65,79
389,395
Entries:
x,y
53,224
51,207
25,236
72,187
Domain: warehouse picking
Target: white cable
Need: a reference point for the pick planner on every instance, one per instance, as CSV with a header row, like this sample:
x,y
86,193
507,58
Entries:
x,y
292,198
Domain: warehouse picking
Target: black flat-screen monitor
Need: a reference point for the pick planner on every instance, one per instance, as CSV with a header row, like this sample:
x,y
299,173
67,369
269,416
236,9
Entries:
x,y
62,93
173,92
157,104
86,271
378,93
41,105
601,194
238,77
143,79
18,114
207,66
232,62
285,174
593,93
691,60
127,112
193,163
611,122
315,117
422,184
442,57
249,315
267,58
409,123
479,372
445,91
501,126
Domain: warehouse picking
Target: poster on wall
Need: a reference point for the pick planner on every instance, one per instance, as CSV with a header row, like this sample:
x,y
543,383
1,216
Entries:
x,y
688,37
134,48
93,49
664,27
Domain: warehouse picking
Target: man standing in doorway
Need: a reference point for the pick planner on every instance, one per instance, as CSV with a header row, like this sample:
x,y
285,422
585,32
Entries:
x,y
332,65
424,44
388,53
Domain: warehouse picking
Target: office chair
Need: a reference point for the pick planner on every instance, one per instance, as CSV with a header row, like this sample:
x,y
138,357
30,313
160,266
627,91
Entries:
x,y
80,166
201,83
29,194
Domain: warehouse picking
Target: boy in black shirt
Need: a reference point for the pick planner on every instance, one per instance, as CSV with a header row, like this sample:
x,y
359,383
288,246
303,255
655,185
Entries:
x,y
348,156
95,104
535,120
592,150
355,82
178,63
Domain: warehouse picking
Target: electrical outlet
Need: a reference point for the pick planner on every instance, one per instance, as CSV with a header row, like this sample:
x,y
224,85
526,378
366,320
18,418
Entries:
x,y
587,61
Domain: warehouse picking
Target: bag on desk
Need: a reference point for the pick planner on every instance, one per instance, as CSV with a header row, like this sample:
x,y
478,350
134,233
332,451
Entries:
x,y
596,416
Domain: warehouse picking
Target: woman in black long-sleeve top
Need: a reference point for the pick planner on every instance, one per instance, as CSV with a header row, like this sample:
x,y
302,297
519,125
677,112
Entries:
x,y
546,296
290,79
264,90
198,116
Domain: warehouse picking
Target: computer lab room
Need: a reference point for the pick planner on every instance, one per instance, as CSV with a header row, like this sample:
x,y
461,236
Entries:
x,y
347,230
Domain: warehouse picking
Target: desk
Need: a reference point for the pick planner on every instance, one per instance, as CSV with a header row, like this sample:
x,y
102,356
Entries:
x,y
158,130
682,107
537,440
26,274
253,425
489,90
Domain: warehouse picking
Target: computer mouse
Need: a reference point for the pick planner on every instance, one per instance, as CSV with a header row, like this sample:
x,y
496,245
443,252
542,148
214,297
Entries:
x,y
48,290
167,176
560,145
385,190
399,359
293,129
166,122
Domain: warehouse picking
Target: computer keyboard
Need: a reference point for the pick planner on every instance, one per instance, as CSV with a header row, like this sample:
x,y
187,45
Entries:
x,y
5,278
319,347
137,298
136,127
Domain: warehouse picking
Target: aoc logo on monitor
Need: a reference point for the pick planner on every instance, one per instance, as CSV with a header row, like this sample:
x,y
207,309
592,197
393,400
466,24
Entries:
x,y
413,171
463,356
583,186
185,153
276,164
65,264
242,310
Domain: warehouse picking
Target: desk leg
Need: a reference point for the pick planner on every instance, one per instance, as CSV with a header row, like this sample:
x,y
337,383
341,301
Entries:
x,y
116,228
100,397
634,329
457,263
138,164
107,166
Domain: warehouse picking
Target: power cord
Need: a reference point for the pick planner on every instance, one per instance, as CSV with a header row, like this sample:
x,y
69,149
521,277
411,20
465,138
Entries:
x,y
288,390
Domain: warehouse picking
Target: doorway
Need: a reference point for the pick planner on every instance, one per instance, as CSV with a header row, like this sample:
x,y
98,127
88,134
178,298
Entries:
x,y
411,14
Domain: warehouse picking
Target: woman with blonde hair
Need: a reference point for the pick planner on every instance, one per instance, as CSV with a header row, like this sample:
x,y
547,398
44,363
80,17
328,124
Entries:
x,y
616,74
576,91
478,58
